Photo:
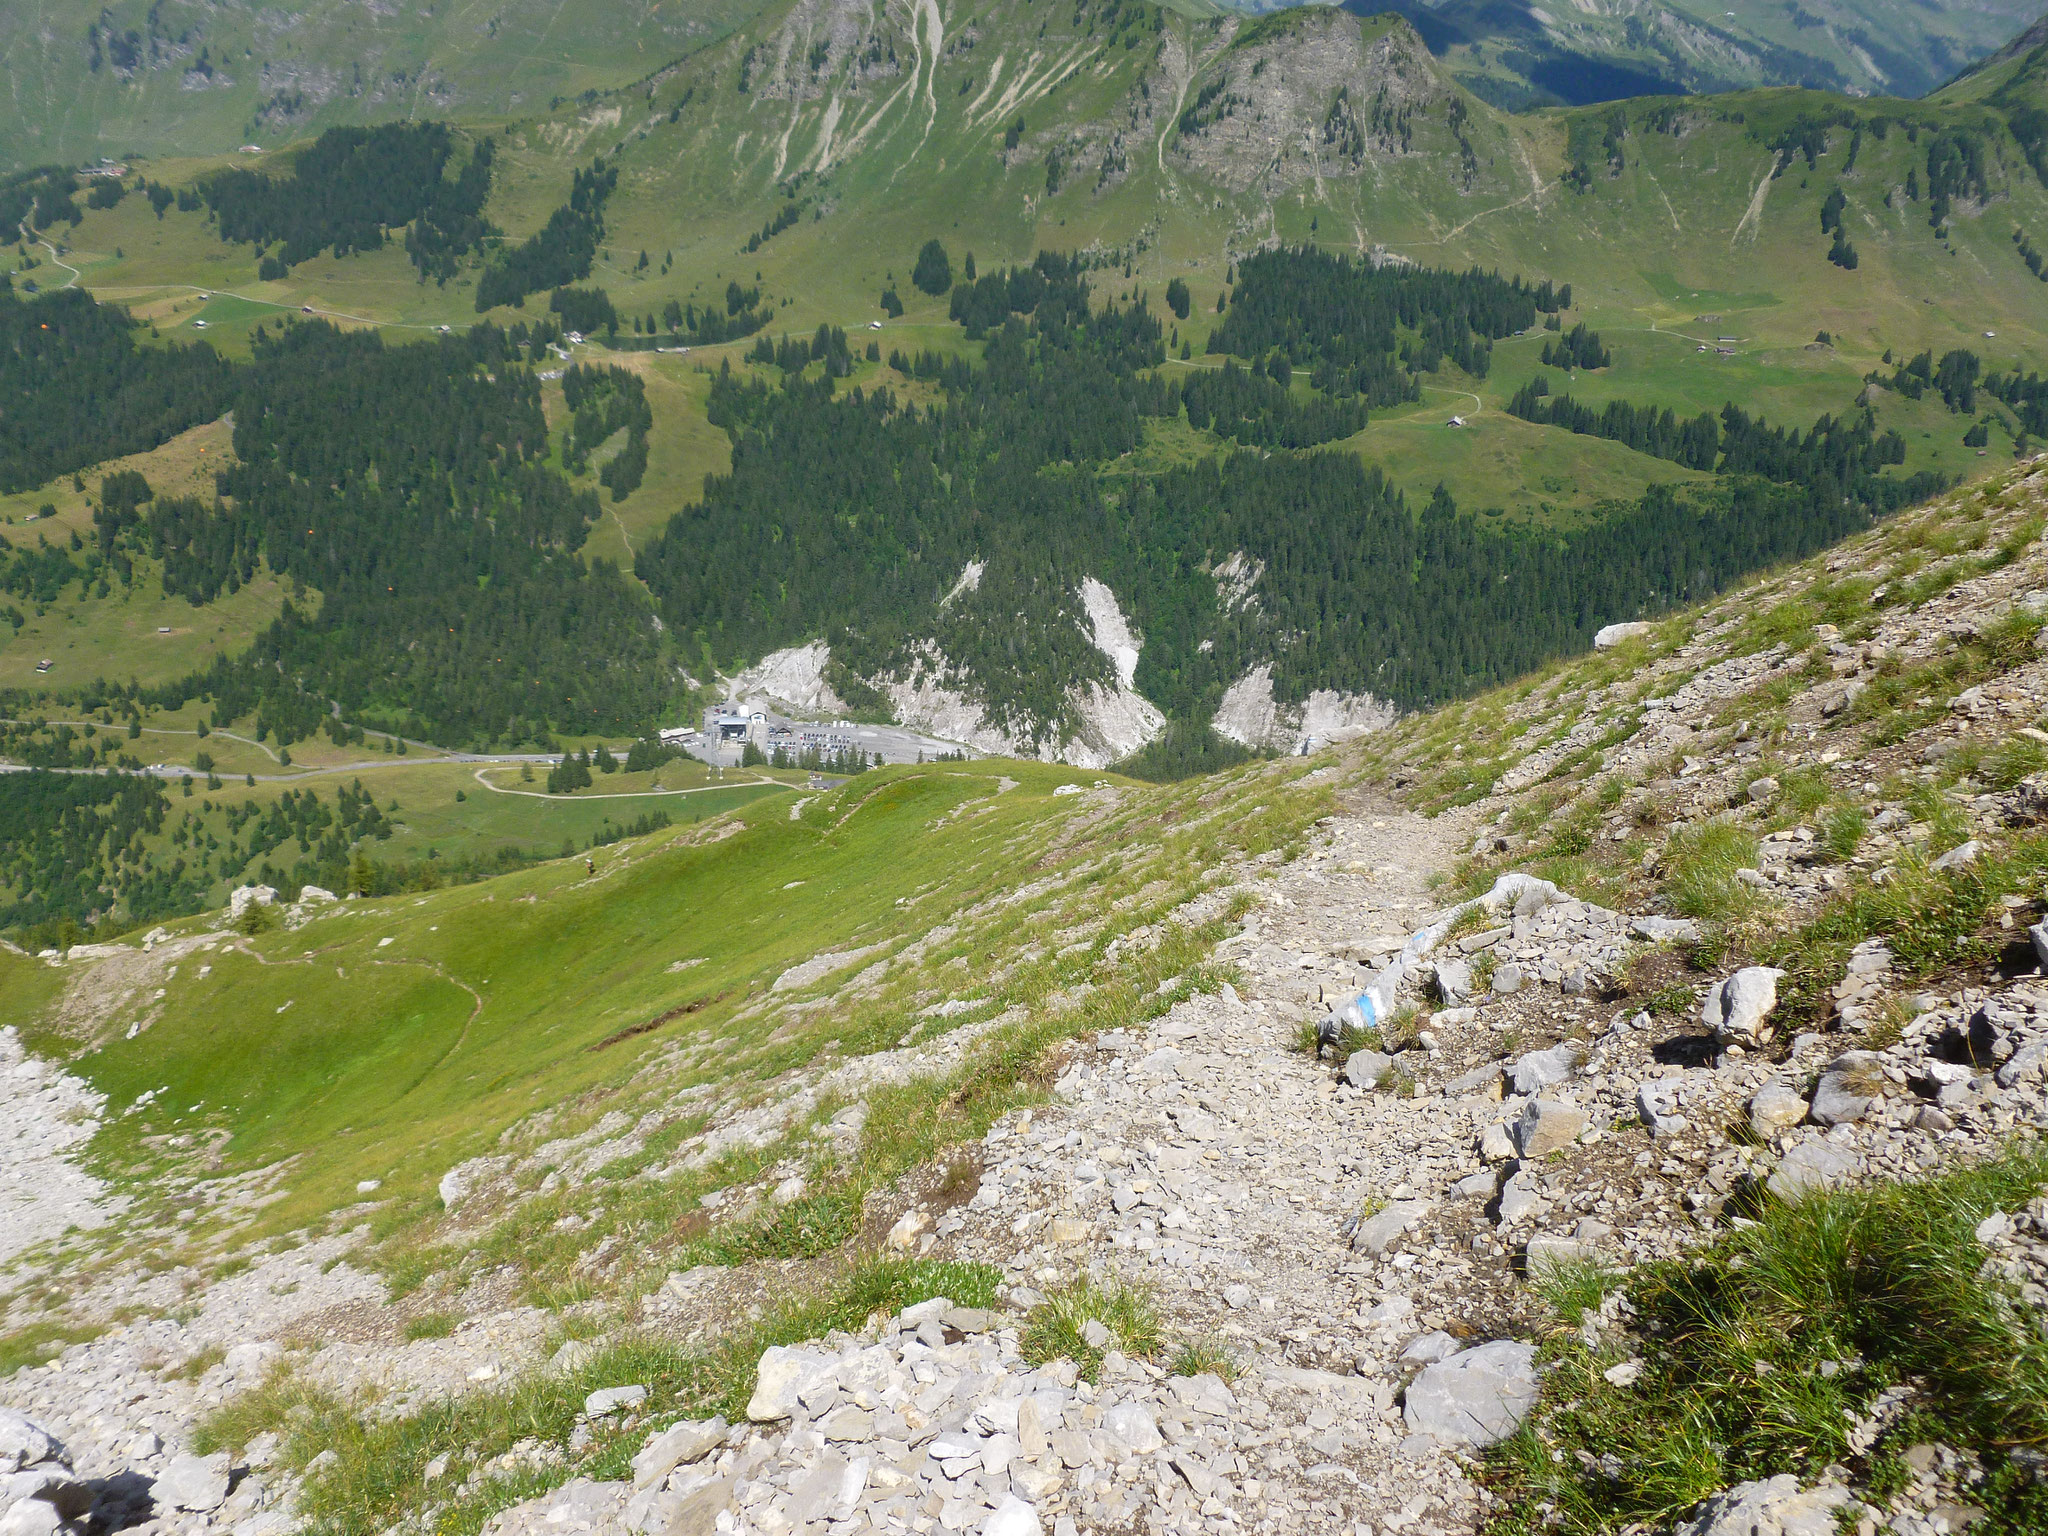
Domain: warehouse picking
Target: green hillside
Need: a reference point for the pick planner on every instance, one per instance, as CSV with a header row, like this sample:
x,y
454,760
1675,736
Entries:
x,y
88,81
681,941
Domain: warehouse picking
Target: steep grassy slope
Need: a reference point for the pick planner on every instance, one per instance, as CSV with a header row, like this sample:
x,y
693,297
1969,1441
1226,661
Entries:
x,y
1676,219
393,1039
876,134
88,80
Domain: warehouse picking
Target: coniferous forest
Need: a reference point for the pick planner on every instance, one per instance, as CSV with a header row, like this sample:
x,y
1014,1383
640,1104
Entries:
x,y
350,187
406,495
80,388
561,253
403,489
851,516
429,533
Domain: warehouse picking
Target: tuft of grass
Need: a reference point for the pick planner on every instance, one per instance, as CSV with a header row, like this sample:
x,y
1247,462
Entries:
x,y
1700,862
1575,1286
1204,1354
1881,1286
561,1298
1484,964
1471,920
1056,1327
430,1325
2014,759
196,1364
1352,1038
1932,920
1841,834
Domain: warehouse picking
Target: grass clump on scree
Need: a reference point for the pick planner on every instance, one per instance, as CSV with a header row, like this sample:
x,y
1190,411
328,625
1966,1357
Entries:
x,y
1206,1354
1058,1326
1760,1354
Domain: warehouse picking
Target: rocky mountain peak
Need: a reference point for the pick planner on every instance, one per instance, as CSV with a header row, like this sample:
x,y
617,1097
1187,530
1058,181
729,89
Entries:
x,y
1312,92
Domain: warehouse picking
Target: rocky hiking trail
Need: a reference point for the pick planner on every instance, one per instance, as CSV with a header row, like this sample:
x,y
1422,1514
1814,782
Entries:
x,y
1343,1260
1354,1242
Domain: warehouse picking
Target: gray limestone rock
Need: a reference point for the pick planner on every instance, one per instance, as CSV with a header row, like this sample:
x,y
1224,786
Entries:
x,y
1520,1200
2025,1065
1545,1125
1545,1069
578,1506
1960,856
245,896
609,1400
1376,1234
1768,1507
1164,1062
1364,1069
1607,636
1776,1107
1661,930
698,1514
1133,1424
1477,1397
1849,1088
828,1491
1453,981
1484,1079
31,1517
673,1447
786,1372
1547,1253
1657,1103
1013,1517
1810,1166
196,1483
1430,1348
25,1443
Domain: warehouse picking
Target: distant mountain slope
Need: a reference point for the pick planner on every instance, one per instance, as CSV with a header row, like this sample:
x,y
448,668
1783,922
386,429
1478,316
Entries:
x,y
1600,50
2015,69
87,79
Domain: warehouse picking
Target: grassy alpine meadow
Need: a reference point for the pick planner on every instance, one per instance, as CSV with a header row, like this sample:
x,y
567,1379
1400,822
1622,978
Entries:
x,y
1501,467
391,1038
183,466
133,632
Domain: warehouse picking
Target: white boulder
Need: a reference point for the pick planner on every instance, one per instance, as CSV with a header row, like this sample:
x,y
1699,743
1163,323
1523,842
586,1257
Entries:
x,y
1737,1009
